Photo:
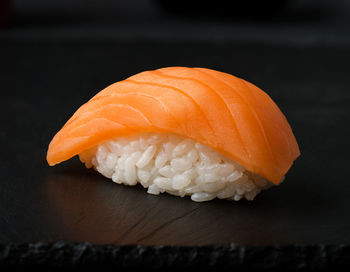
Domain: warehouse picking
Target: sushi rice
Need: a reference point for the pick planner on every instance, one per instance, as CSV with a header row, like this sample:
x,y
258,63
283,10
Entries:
x,y
173,164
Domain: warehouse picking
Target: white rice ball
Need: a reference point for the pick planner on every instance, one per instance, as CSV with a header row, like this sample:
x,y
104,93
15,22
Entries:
x,y
173,164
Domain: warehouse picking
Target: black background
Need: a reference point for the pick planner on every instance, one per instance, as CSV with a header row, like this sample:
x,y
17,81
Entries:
x,y
54,57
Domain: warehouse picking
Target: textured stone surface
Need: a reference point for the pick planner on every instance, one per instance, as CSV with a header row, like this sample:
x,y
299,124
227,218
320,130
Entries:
x,y
83,255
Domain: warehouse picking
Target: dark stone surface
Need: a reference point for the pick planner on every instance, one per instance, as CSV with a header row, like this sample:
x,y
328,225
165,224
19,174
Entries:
x,y
43,83
62,255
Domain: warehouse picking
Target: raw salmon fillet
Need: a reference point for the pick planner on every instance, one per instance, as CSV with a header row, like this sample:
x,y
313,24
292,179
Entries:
x,y
229,114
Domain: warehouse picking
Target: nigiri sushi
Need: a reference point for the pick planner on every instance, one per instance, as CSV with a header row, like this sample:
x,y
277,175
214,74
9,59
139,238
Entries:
x,y
185,131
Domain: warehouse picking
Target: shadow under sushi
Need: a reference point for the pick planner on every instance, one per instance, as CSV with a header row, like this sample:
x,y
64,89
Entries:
x,y
89,207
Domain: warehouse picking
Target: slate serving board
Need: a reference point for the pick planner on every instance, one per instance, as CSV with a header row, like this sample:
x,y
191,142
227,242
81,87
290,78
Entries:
x,y
44,82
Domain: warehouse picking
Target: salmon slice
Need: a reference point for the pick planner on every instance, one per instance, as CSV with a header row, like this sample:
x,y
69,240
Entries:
x,y
229,114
